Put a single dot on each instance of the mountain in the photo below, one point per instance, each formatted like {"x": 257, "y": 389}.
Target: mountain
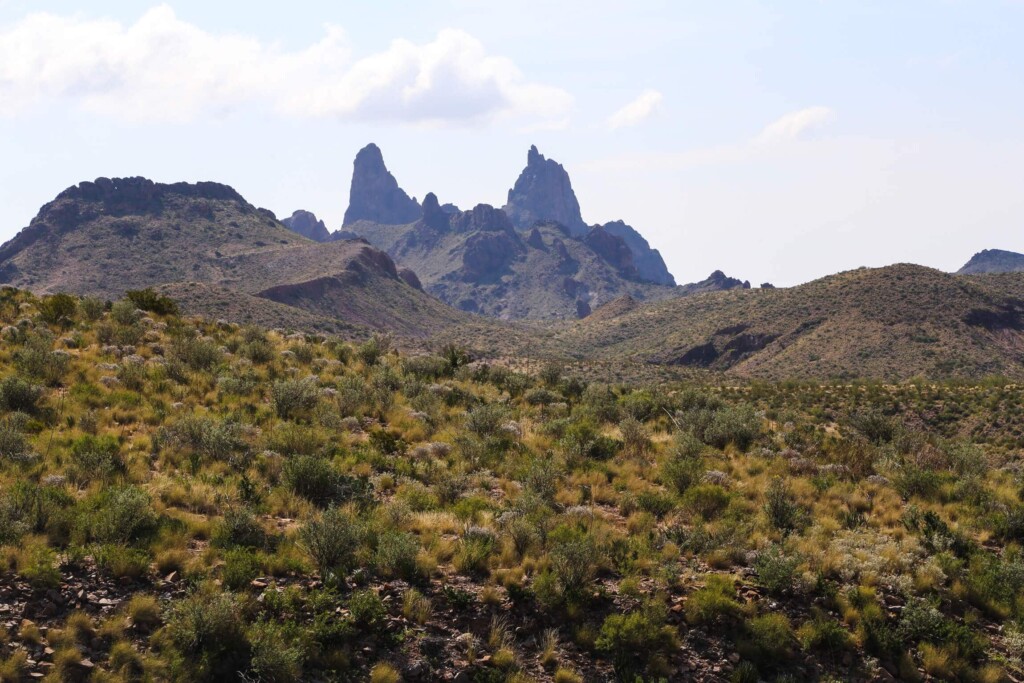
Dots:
{"x": 375, "y": 195}
{"x": 478, "y": 261}
{"x": 306, "y": 224}
{"x": 890, "y": 323}
{"x": 104, "y": 237}
{"x": 543, "y": 192}
{"x": 993, "y": 261}
{"x": 649, "y": 264}
{"x": 485, "y": 261}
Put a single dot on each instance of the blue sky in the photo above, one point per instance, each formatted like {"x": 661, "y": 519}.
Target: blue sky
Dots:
{"x": 776, "y": 141}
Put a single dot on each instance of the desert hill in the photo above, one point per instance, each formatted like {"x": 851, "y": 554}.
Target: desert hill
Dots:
{"x": 890, "y": 323}
{"x": 109, "y": 236}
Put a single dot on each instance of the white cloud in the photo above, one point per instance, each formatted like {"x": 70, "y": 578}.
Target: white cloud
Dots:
{"x": 164, "y": 69}
{"x": 636, "y": 111}
{"x": 793, "y": 124}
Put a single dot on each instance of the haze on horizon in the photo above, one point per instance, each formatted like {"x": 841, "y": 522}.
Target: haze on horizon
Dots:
{"x": 775, "y": 144}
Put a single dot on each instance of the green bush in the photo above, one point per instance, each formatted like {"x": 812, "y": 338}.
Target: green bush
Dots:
{"x": 58, "y": 309}
{"x": 823, "y": 633}
{"x": 293, "y": 398}
{"x": 706, "y": 500}
{"x": 574, "y": 560}
{"x": 95, "y": 458}
{"x": 775, "y": 571}
{"x": 331, "y": 540}
{"x": 770, "y": 639}
{"x": 276, "y": 658}
{"x": 715, "y": 603}
{"x": 396, "y": 555}
{"x": 316, "y": 480}
{"x": 121, "y": 562}
{"x": 121, "y": 515}
{"x": 196, "y": 353}
{"x": 782, "y": 509}
{"x": 150, "y": 300}
{"x": 207, "y": 630}
{"x": 19, "y": 395}
{"x": 241, "y": 566}
{"x": 367, "y": 609}
{"x": 633, "y": 640}
{"x": 240, "y": 528}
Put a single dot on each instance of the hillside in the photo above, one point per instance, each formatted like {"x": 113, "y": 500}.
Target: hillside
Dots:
{"x": 106, "y": 237}
{"x": 891, "y": 323}
{"x": 190, "y": 500}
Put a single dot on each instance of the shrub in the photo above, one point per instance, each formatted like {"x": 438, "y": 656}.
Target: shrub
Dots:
{"x": 122, "y": 515}
{"x": 294, "y": 397}
{"x": 275, "y": 658}
{"x": 18, "y": 395}
{"x": 95, "y": 457}
{"x": 207, "y": 629}
{"x": 124, "y": 313}
{"x": 144, "y": 611}
{"x": 384, "y": 673}
{"x": 684, "y": 466}
{"x": 240, "y": 567}
{"x": 37, "y": 564}
{"x": 416, "y": 606}
{"x": 121, "y": 562}
{"x": 258, "y": 351}
{"x": 823, "y": 633}
{"x": 715, "y": 603}
{"x": 13, "y": 445}
{"x": 783, "y": 512}
{"x": 92, "y": 308}
{"x": 633, "y": 639}
{"x": 331, "y": 540}
{"x": 770, "y": 638}
{"x": 240, "y": 529}
{"x": 150, "y": 300}
{"x": 58, "y": 309}
{"x": 739, "y": 426}
{"x": 396, "y": 555}
{"x": 313, "y": 478}
{"x": 775, "y": 571}
{"x": 706, "y": 500}
{"x": 367, "y": 609}
{"x": 573, "y": 559}
{"x": 196, "y": 353}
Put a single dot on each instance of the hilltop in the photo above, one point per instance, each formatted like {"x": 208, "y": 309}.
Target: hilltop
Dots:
{"x": 889, "y": 323}
{"x": 993, "y": 261}
{"x": 105, "y": 237}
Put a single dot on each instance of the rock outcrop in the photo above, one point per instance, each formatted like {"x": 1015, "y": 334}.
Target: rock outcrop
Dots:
{"x": 613, "y": 250}
{"x": 543, "y": 192}
{"x": 650, "y": 267}
{"x": 306, "y": 224}
{"x": 375, "y": 195}
{"x": 993, "y": 261}
{"x": 716, "y": 282}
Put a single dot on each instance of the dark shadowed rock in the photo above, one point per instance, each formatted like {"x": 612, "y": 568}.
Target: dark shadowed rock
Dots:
{"x": 767, "y": 285}
{"x": 482, "y": 217}
{"x": 375, "y": 195}
{"x": 993, "y": 261}
{"x": 433, "y": 214}
{"x": 410, "y": 278}
{"x": 543, "y": 192}
{"x": 306, "y": 224}
{"x": 613, "y": 250}
{"x": 650, "y": 266}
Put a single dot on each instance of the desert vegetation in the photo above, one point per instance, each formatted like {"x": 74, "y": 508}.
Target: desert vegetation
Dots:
{"x": 188, "y": 499}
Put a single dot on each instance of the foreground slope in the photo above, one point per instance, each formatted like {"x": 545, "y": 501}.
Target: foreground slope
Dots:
{"x": 892, "y": 323}
{"x": 185, "y": 500}
{"x": 106, "y": 237}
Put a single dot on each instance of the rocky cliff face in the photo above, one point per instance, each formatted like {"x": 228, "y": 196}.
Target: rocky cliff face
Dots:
{"x": 993, "y": 261}
{"x": 375, "y": 195}
{"x": 543, "y": 192}
{"x": 716, "y": 282}
{"x": 306, "y": 224}
{"x": 650, "y": 266}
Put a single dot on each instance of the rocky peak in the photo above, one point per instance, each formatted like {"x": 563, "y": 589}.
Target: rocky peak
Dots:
{"x": 650, "y": 266}
{"x": 482, "y": 218}
{"x": 543, "y": 192}
{"x": 375, "y": 195}
{"x": 305, "y": 223}
{"x": 716, "y": 282}
{"x": 433, "y": 214}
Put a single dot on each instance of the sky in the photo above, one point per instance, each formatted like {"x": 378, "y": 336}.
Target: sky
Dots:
{"x": 776, "y": 141}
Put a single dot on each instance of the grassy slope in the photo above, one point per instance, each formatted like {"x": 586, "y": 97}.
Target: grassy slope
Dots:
{"x": 893, "y": 323}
